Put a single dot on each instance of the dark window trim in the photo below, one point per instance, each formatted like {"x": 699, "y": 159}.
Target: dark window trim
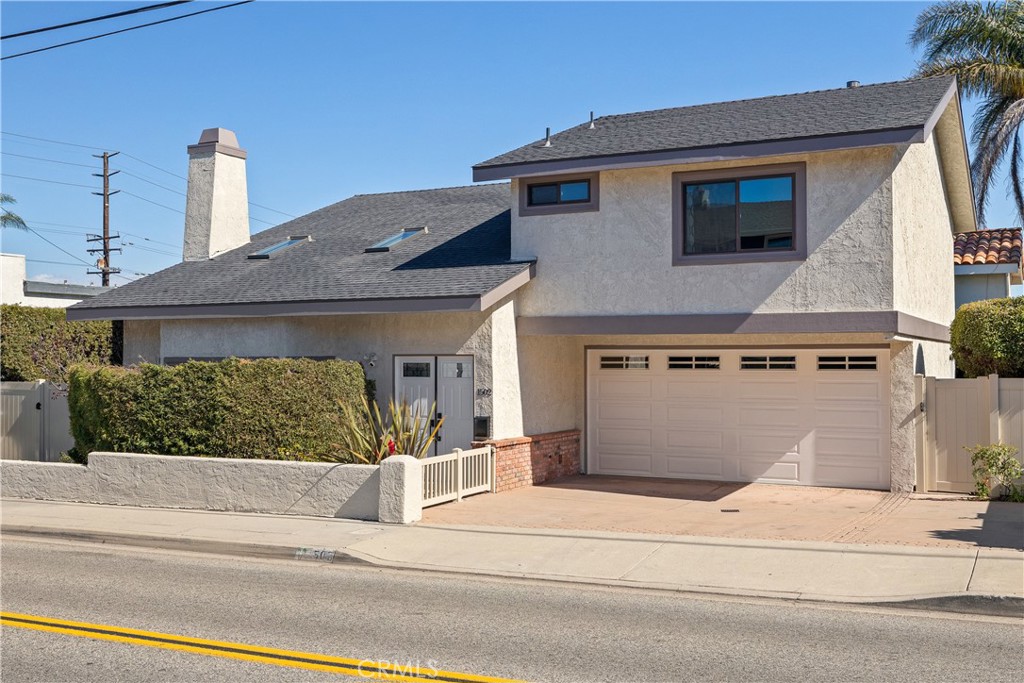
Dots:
{"x": 525, "y": 209}
{"x": 797, "y": 253}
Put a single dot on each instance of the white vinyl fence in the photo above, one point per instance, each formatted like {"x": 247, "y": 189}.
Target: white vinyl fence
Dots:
{"x": 457, "y": 475}
{"x": 34, "y": 421}
{"x": 961, "y": 413}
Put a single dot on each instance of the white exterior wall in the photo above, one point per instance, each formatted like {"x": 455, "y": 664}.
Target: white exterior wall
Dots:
{"x": 216, "y": 208}
{"x": 141, "y": 342}
{"x": 922, "y": 236}
{"x": 979, "y": 287}
{"x": 355, "y": 337}
{"x": 618, "y": 261}
{"x": 12, "y": 279}
{"x": 12, "y": 286}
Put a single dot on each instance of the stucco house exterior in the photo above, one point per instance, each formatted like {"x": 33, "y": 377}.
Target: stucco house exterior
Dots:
{"x": 735, "y": 291}
{"x": 986, "y": 264}
{"x": 16, "y": 288}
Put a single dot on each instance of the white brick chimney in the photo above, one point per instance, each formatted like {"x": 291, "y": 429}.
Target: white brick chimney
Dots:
{"x": 217, "y": 206}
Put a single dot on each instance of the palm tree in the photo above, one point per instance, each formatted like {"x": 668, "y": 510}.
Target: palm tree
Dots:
{"x": 982, "y": 44}
{"x": 7, "y": 218}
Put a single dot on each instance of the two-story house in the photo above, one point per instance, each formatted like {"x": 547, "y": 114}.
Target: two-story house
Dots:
{"x": 738, "y": 291}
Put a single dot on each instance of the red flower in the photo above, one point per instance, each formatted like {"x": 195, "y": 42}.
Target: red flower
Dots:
{"x": 391, "y": 447}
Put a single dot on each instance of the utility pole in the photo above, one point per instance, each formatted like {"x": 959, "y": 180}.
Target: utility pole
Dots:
{"x": 103, "y": 263}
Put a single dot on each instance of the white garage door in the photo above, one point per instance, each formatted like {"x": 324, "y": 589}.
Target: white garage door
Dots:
{"x": 802, "y": 416}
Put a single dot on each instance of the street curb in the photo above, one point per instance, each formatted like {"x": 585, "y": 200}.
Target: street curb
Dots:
{"x": 960, "y": 603}
{"x": 273, "y": 552}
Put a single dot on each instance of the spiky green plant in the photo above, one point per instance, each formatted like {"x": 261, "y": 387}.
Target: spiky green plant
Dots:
{"x": 982, "y": 44}
{"x": 370, "y": 436}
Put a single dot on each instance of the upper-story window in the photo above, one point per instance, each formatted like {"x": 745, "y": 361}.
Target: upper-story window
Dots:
{"x": 558, "y": 194}
{"x": 736, "y": 215}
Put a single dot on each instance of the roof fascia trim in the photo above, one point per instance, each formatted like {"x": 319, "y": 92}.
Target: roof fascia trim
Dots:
{"x": 507, "y": 287}
{"x": 277, "y": 309}
{"x": 986, "y": 269}
{"x": 35, "y": 287}
{"x": 896, "y": 136}
{"x": 888, "y": 322}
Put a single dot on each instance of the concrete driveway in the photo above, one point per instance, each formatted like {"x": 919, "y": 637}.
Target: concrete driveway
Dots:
{"x": 735, "y": 510}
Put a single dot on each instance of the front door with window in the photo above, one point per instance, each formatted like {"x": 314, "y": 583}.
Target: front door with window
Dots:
{"x": 448, "y": 380}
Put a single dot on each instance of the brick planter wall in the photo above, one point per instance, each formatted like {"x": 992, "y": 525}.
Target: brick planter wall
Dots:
{"x": 529, "y": 460}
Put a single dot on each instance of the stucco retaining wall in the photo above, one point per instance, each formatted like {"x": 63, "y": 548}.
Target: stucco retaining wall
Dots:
{"x": 268, "y": 486}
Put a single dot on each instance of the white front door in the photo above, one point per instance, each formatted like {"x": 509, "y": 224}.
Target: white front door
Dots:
{"x": 448, "y": 380}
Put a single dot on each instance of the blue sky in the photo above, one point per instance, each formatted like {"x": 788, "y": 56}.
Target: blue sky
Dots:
{"x": 332, "y": 99}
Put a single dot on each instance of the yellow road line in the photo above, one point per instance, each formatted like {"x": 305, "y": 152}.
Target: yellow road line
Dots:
{"x": 361, "y": 668}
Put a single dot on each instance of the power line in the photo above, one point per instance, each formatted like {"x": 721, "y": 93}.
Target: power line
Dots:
{"x": 125, "y": 13}
{"x": 59, "y": 248}
{"x": 52, "y": 161}
{"x": 125, "y": 30}
{"x": 162, "y": 187}
{"x": 53, "y": 263}
{"x": 163, "y": 206}
{"x": 143, "y": 161}
{"x": 150, "y": 239}
{"x": 44, "y": 180}
{"x": 56, "y": 142}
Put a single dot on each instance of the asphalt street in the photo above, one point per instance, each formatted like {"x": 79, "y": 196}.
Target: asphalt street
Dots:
{"x": 485, "y": 627}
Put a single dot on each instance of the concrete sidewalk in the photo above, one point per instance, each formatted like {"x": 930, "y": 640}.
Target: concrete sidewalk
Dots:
{"x": 839, "y": 572}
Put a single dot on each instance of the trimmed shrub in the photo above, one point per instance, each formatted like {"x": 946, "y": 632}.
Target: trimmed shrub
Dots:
{"x": 40, "y": 343}
{"x": 987, "y": 337}
{"x": 269, "y": 408}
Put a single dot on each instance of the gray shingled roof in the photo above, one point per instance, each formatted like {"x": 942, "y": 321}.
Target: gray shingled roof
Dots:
{"x": 869, "y": 108}
{"x": 464, "y": 254}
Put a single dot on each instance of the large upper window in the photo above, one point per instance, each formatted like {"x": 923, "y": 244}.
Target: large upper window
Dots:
{"x": 740, "y": 215}
{"x": 558, "y": 194}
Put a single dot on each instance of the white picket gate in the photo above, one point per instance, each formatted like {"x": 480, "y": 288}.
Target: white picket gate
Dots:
{"x": 457, "y": 475}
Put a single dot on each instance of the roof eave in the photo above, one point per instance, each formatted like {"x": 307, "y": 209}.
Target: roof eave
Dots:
{"x": 454, "y": 304}
{"x": 828, "y": 143}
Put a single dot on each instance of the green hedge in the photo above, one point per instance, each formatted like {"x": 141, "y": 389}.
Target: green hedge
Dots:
{"x": 987, "y": 337}
{"x": 39, "y": 343}
{"x": 277, "y": 409}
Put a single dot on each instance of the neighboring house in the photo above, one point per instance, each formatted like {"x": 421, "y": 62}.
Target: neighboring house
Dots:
{"x": 986, "y": 264}
{"x": 16, "y": 288}
{"x": 735, "y": 291}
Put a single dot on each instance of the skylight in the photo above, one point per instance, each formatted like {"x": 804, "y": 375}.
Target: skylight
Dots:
{"x": 290, "y": 242}
{"x": 385, "y": 245}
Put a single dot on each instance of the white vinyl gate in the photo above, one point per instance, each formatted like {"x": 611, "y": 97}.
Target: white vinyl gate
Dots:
{"x": 34, "y": 421}
{"x": 796, "y": 416}
{"x": 961, "y": 413}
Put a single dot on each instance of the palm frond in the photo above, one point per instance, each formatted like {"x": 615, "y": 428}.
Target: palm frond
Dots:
{"x": 965, "y": 30}
{"x": 979, "y": 76}
{"x": 993, "y": 142}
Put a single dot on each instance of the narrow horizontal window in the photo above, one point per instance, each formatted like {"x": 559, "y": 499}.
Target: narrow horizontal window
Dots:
{"x": 568, "y": 192}
{"x": 847, "y": 362}
{"x": 694, "y": 362}
{"x": 386, "y": 244}
{"x": 274, "y": 248}
{"x": 625, "y": 362}
{"x": 768, "y": 362}
{"x": 558, "y": 194}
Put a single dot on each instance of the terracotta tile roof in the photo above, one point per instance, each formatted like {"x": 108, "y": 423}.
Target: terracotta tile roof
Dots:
{"x": 987, "y": 247}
